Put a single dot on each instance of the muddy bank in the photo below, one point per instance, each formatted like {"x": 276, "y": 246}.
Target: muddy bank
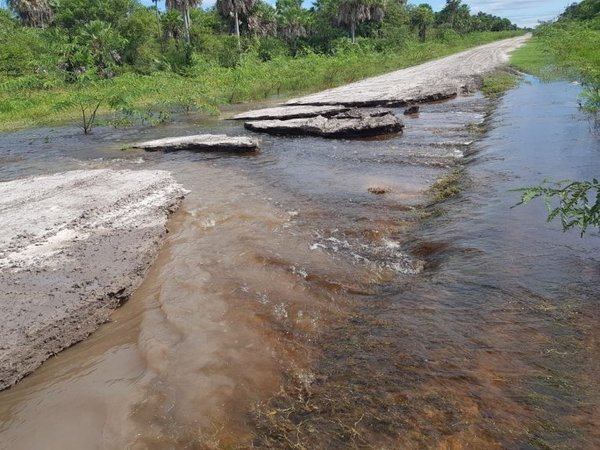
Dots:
{"x": 73, "y": 246}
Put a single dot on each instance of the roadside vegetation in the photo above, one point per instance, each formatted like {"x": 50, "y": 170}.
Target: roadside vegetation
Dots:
{"x": 62, "y": 59}
{"x": 568, "y": 48}
{"x": 497, "y": 83}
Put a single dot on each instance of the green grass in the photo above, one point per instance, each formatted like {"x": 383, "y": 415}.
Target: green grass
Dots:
{"x": 563, "y": 50}
{"x": 497, "y": 83}
{"x": 209, "y": 86}
{"x": 534, "y": 58}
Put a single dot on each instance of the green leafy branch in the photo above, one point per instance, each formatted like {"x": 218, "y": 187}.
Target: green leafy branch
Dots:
{"x": 88, "y": 105}
{"x": 90, "y": 97}
{"x": 574, "y": 208}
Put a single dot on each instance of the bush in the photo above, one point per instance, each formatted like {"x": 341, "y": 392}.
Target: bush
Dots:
{"x": 23, "y": 50}
{"x": 446, "y": 35}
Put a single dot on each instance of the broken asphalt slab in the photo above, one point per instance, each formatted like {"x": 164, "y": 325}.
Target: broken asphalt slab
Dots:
{"x": 73, "y": 246}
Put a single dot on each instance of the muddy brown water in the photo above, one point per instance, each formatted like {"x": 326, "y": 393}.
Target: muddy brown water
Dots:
{"x": 291, "y": 308}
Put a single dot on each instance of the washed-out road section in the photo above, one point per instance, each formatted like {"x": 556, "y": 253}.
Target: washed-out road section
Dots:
{"x": 73, "y": 246}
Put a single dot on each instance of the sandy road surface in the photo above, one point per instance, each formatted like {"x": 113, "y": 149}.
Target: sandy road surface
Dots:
{"x": 434, "y": 80}
{"x": 73, "y": 246}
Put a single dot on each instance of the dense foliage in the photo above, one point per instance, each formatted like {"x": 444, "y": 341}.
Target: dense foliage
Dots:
{"x": 66, "y": 40}
{"x": 586, "y": 10}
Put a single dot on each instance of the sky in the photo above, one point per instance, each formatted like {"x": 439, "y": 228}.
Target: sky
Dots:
{"x": 522, "y": 12}
{"x": 525, "y": 13}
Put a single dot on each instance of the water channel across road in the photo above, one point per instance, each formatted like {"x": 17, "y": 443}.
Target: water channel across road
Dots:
{"x": 292, "y": 308}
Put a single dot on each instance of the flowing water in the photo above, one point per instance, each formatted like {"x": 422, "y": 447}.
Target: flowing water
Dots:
{"x": 292, "y": 308}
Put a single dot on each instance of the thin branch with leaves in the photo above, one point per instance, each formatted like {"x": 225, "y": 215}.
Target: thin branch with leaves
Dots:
{"x": 578, "y": 202}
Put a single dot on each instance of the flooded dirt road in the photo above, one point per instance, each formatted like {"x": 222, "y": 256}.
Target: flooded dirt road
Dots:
{"x": 438, "y": 79}
{"x": 291, "y": 308}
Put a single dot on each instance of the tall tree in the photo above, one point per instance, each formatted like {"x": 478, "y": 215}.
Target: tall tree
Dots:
{"x": 450, "y": 10}
{"x": 155, "y": 2}
{"x": 233, "y": 9}
{"x": 354, "y": 12}
{"x": 33, "y": 13}
{"x": 463, "y": 22}
{"x": 421, "y": 18}
{"x": 184, "y": 6}
{"x": 262, "y": 20}
{"x": 292, "y": 21}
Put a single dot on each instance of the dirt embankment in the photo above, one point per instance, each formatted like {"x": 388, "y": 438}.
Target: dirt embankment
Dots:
{"x": 73, "y": 246}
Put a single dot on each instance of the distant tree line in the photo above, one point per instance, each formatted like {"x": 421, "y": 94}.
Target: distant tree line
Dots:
{"x": 107, "y": 37}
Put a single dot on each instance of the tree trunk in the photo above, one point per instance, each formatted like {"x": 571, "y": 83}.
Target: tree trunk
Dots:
{"x": 423, "y": 33}
{"x": 157, "y": 18}
{"x": 237, "y": 28}
{"x": 186, "y": 23}
{"x": 353, "y": 31}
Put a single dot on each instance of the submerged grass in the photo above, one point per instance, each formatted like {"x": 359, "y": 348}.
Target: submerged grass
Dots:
{"x": 497, "y": 83}
{"x": 208, "y": 86}
{"x": 359, "y": 397}
{"x": 448, "y": 186}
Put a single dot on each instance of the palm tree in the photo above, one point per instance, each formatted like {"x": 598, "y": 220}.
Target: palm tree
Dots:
{"x": 183, "y": 6}
{"x": 155, "y": 2}
{"x": 354, "y": 12}
{"x": 422, "y": 18}
{"x": 292, "y": 29}
{"x": 452, "y": 7}
{"x": 33, "y": 13}
{"x": 233, "y": 9}
{"x": 292, "y": 21}
{"x": 172, "y": 25}
{"x": 261, "y": 20}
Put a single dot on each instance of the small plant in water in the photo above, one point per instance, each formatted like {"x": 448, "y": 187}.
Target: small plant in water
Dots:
{"x": 88, "y": 102}
{"x": 590, "y": 99}
{"x": 379, "y": 190}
